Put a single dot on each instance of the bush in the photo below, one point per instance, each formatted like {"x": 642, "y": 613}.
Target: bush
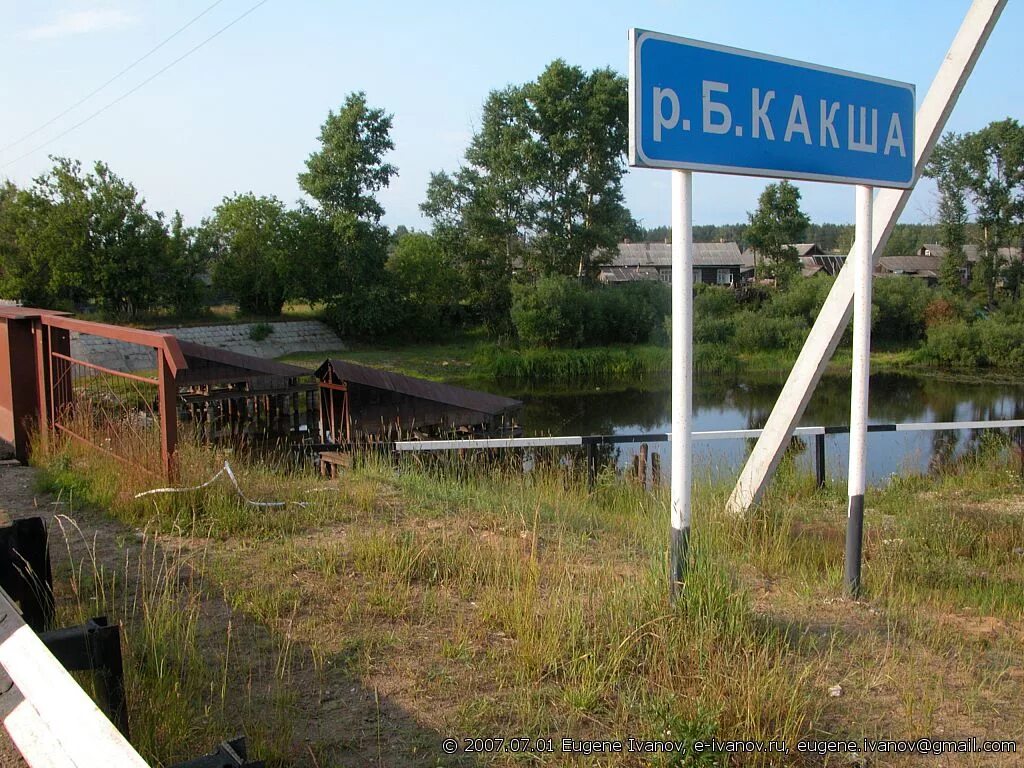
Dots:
{"x": 627, "y": 314}
{"x": 939, "y": 311}
{"x": 549, "y": 313}
{"x": 899, "y": 309}
{"x": 374, "y": 312}
{"x": 713, "y": 310}
{"x": 260, "y": 331}
{"x": 429, "y": 286}
{"x": 953, "y": 344}
{"x": 802, "y": 299}
{"x": 1002, "y": 343}
{"x": 560, "y": 312}
{"x": 756, "y": 332}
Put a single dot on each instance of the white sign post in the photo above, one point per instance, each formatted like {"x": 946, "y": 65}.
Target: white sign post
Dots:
{"x": 860, "y": 375}
{"x": 697, "y": 106}
{"x": 682, "y": 374}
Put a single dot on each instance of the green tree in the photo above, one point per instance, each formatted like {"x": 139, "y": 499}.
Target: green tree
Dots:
{"x": 985, "y": 171}
{"x": 777, "y": 222}
{"x": 348, "y": 170}
{"x": 188, "y": 257}
{"x": 25, "y": 254}
{"x": 474, "y": 224}
{"x": 254, "y": 250}
{"x": 946, "y": 166}
{"x": 542, "y": 183}
{"x": 576, "y": 158}
{"x": 343, "y": 177}
{"x": 994, "y": 160}
{"x": 75, "y": 237}
{"x": 428, "y": 284}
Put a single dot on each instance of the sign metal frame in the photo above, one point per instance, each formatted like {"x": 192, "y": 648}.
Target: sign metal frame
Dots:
{"x": 637, "y": 157}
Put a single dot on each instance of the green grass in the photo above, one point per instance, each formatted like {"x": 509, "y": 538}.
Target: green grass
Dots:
{"x": 485, "y": 601}
{"x": 472, "y": 359}
{"x": 219, "y": 314}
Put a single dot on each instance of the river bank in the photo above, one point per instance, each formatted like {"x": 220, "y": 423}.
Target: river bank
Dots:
{"x": 473, "y": 358}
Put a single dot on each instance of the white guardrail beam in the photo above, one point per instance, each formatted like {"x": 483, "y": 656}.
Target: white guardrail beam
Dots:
{"x": 413, "y": 446}
{"x": 51, "y": 720}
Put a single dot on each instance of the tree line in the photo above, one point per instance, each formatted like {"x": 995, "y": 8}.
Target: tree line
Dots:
{"x": 905, "y": 240}
{"x": 533, "y": 211}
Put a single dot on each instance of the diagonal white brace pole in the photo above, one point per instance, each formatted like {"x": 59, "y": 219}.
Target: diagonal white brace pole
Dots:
{"x": 889, "y": 204}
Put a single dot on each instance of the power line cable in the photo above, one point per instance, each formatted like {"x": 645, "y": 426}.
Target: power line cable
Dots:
{"x": 128, "y": 93}
{"x": 131, "y": 66}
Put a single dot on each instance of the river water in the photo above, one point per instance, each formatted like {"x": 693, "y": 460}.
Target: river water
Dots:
{"x": 744, "y": 402}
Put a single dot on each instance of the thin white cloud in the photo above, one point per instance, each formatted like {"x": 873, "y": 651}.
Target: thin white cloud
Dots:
{"x": 70, "y": 23}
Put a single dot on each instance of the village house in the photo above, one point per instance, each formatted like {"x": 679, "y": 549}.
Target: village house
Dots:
{"x": 926, "y": 264}
{"x": 713, "y": 263}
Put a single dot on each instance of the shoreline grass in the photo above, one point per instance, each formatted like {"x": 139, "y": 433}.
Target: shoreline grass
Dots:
{"x": 471, "y": 359}
{"x": 481, "y": 600}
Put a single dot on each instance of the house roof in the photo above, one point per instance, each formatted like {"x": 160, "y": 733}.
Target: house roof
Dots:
{"x": 972, "y": 251}
{"x": 803, "y": 250}
{"x": 459, "y": 397}
{"x": 809, "y": 267}
{"x": 939, "y": 251}
{"x": 926, "y": 266}
{"x": 660, "y": 255}
{"x": 212, "y": 365}
{"x": 806, "y": 249}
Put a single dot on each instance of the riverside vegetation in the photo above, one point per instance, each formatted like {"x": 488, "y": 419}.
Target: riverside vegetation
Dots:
{"x": 405, "y": 603}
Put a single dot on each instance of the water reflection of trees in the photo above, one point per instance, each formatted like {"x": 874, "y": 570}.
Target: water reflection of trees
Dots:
{"x": 894, "y": 398}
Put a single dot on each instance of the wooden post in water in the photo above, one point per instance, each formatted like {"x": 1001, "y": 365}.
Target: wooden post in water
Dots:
{"x": 819, "y": 460}
{"x": 641, "y": 469}
{"x": 655, "y": 469}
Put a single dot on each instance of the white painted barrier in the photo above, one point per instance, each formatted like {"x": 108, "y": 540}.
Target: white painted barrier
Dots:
{"x": 50, "y": 719}
{"x": 412, "y": 446}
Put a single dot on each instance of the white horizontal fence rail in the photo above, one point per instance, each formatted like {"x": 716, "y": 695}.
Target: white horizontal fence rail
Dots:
{"x": 51, "y": 720}
{"x": 413, "y": 446}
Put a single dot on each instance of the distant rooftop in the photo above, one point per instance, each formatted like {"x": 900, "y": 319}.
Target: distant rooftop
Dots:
{"x": 660, "y": 255}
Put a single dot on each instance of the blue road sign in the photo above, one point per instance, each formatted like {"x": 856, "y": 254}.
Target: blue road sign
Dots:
{"x": 705, "y": 107}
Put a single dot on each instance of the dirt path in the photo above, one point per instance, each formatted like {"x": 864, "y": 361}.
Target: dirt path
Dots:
{"x": 333, "y": 719}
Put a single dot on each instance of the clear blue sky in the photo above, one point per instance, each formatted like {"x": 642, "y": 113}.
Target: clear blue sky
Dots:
{"x": 243, "y": 112}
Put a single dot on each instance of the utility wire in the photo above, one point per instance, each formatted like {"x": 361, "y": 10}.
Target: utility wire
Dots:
{"x": 128, "y": 93}
{"x": 92, "y": 93}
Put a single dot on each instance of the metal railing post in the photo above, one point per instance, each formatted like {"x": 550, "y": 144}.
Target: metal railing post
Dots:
{"x": 168, "y": 397}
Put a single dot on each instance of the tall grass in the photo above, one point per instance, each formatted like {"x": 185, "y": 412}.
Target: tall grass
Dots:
{"x": 536, "y": 364}
{"x": 531, "y": 604}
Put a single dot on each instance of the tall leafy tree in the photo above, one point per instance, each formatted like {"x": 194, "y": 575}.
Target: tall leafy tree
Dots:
{"x": 189, "y": 250}
{"x": 343, "y": 177}
{"x": 543, "y": 174}
{"x": 348, "y": 170}
{"x": 77, "y": 237}
{"x": 428, "y": 283}
{"x": 25, "y": 254}
{"x": 982, "y": 172}
{"x": 254, "y": 252}
{"x": 994, "y": 160}
{"x": 473, "y": 226}
{"x": 777, "y": 222}
{"x": 946, "y": 166}
{"x": 576, "y": 155}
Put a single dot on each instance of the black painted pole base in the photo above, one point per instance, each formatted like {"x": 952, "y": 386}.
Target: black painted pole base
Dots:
{"x": 854, "y": 541}
{"x": 678, "y": 553}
